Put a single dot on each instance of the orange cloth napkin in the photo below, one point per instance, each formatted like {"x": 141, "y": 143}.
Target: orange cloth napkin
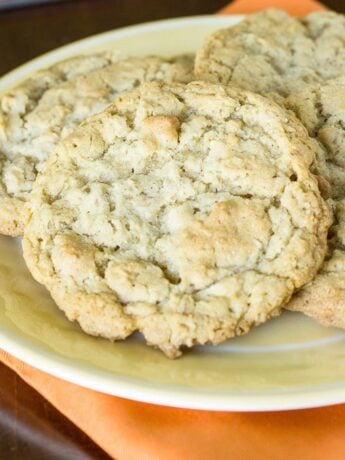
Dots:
{"x": 294, "y": 7}
{"x": 129, "y": 430}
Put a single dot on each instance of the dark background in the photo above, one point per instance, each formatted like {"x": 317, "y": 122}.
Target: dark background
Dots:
{"x": 29, "y": 32}
{"x": 30, "y": 428}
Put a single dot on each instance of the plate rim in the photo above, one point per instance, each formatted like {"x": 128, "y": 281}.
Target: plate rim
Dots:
{"x": 135, "y": 388}
{"x": 97, "y": 40}
{"x": 184, "y": 398}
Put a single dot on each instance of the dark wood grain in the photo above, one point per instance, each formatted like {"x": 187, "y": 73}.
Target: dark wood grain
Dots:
{"x": 30, "y": 428}
{"x": 29, "y": 32}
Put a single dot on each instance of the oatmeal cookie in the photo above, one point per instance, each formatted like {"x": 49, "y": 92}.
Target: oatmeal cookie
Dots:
{"x": 186, "y": 212}
{"x": 322, "y": 110}
{"x": 274, "y": 54}
{"x": 35, "y": 115}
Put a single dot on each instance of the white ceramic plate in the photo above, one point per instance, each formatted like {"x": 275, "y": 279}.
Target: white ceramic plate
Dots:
{"x": 290, "y": 362}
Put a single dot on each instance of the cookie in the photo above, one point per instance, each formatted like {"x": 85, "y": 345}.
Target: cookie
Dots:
{"x": 185, "y": 212}
{"x": 322, "y": 110}
{"x": 274, "y": 54}
{"x": 45, "y": 108}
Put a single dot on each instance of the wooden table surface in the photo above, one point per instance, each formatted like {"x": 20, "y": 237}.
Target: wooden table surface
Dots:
{"x": 30, "y": 428}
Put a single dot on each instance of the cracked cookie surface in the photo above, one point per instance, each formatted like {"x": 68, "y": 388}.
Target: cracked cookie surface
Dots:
{"x": 187, "y": 212}
{"x": 274, "y": 54}
{"x": 35, "y": 115}
{"x": 322, "y": 110}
